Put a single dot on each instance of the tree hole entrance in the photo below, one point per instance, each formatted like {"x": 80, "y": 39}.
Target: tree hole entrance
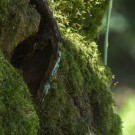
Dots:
{"x": 36, "y": 56}
{"x": 32, "y": 62}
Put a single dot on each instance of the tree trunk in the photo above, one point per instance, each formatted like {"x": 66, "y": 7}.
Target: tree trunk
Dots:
{"x": 36, "y": 56}
{"x": 79, "y": 100}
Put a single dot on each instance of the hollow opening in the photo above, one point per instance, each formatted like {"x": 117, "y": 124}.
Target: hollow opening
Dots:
{"x": 32, "y": 62}
{"x": 36, "y": 56}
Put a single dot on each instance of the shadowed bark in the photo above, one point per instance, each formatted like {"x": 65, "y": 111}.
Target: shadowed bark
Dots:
{"x": 36, "y": 56}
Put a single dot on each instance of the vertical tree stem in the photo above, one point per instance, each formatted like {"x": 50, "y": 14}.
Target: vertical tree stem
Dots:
{"x": 107, "y": 32}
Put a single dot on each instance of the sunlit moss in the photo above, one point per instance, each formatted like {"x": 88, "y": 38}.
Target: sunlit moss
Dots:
{"x": 81, "y": 101}
{"x": 83, "y": 16}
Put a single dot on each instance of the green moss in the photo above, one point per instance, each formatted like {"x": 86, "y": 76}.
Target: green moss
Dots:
{"x": 18, "y": 20}
{"x": 17, "y": 114}
{"x": 81, "y": 16}
{"x": 9, "y": 15}
{"x": 83, "y": 74}
{"x": 80, "y": 100}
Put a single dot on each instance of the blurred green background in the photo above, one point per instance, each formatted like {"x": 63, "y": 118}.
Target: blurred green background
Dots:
{"x": 121, "y": 60}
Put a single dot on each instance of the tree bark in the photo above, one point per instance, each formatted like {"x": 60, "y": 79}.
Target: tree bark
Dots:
{"x": 79, "y": 101}
{"x": 37, "y": 55}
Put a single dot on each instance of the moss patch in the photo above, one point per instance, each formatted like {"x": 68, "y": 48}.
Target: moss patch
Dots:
{"x": 81, "y": 100}
{"x": 18, "y": 20}
{"x": 81, "y": 16}
{"x": 17, "y": 114}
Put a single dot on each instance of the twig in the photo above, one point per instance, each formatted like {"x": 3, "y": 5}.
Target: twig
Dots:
{"x": 107, "y": 32}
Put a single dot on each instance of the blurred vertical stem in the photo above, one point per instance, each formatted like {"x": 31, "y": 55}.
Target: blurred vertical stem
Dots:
{"x": 107, "y": 32}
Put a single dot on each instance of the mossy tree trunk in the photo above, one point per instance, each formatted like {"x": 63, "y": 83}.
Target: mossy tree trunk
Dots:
{"x": 36, "y": 56}
{"x": 79, "y": 101}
